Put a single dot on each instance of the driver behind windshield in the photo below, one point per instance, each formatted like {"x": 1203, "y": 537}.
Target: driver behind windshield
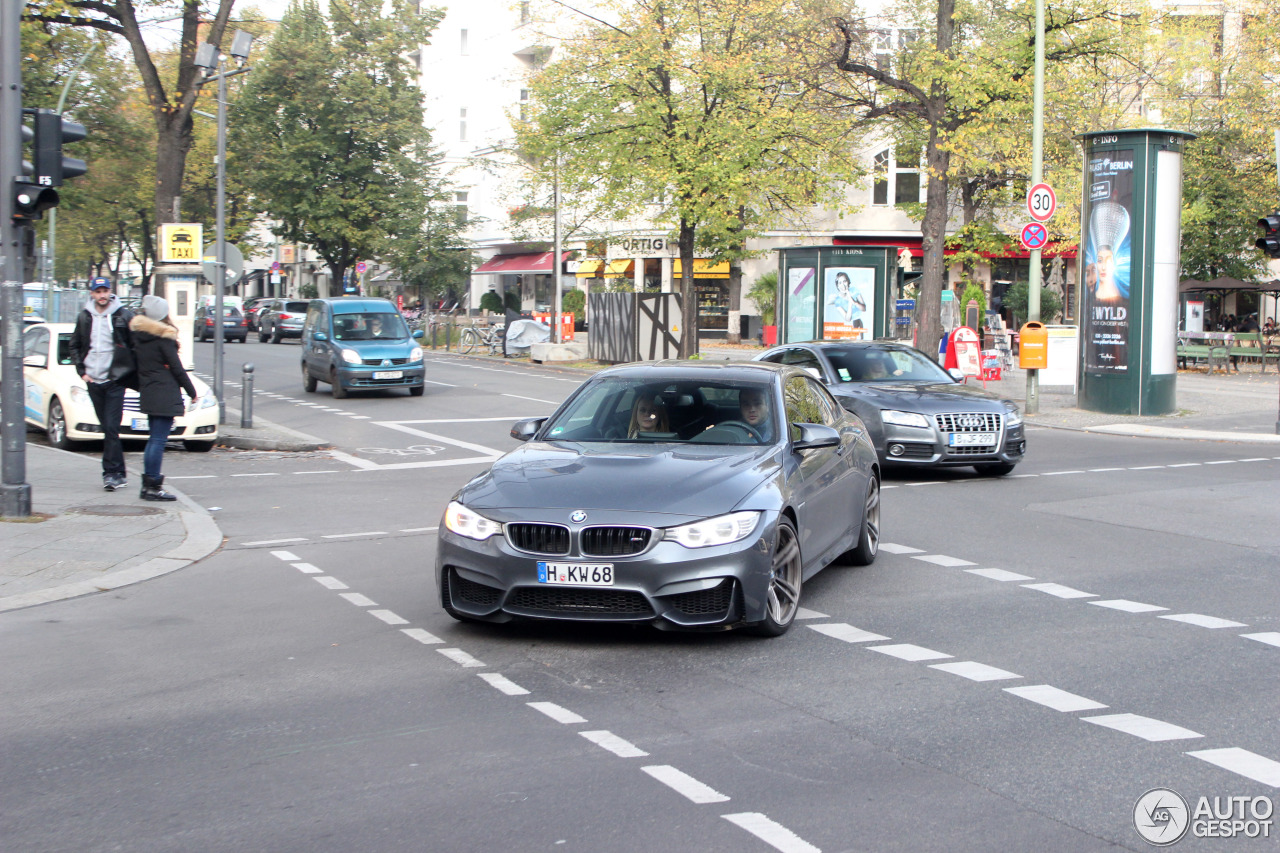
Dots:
{"x": 753, "y": 403}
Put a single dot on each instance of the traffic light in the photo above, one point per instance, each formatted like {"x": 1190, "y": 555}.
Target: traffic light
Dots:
{"x": 1269, "y": 242}
{"x": 51, "y": 131}
{"x": 31, "y": 201}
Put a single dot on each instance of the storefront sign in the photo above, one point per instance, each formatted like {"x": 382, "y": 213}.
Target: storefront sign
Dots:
{"x": 641, "y": 247}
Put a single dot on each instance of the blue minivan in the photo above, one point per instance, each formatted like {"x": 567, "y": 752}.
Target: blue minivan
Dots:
{"x": 358, "y": 343}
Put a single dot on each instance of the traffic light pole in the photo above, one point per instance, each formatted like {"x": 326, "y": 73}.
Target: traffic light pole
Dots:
{"x": 15, "y": 493}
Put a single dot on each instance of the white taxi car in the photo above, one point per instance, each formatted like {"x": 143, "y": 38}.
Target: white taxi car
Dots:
{"x": 57, "y": 401}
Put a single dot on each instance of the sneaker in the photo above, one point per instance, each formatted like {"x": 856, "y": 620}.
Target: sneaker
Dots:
{"x": 111, "y": 482}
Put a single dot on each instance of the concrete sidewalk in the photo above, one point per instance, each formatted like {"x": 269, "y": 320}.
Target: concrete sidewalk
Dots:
{"x": 85, "y": 540}
{"x": 82, "y": 539}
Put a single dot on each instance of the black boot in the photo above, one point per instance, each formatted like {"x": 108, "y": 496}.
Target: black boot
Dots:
{"x": 152, "y": 491}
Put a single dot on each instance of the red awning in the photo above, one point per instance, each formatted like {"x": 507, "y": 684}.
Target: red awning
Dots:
{"x": 509, "y": 264}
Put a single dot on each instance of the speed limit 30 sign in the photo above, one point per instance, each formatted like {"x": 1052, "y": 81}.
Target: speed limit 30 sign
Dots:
{"x": 1041, "y": 202}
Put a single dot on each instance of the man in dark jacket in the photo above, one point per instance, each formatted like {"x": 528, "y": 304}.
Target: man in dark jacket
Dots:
{"x": 102, "y": 350}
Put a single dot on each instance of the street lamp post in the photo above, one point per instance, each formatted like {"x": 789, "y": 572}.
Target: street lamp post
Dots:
{"x": 212, "y": 61}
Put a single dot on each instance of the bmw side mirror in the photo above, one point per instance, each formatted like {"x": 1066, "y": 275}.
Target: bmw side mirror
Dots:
{"x": 320, "y": 336}
{"x": 813, "y": 436}
{"x": 417, "y": 334}
{"x": 527, "y": 428}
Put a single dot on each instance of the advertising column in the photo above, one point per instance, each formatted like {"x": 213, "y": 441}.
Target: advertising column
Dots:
{"x": 1130, "y": 231}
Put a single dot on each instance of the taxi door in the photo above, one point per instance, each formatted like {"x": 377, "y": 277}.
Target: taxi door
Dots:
{"x": 36, "y": 376}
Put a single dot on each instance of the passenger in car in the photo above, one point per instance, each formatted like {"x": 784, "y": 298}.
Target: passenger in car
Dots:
{"x": 648, "y": 414}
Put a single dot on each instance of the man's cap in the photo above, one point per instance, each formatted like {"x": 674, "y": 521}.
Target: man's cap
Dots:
{"x": 101, "y": 285}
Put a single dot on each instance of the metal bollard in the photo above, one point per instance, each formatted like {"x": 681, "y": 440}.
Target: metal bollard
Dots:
{"x": 432, "y": 324}
{"x": 246, "y": 404}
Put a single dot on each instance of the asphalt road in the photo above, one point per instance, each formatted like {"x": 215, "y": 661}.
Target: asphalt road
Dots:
{"x": 1027, "y": 657}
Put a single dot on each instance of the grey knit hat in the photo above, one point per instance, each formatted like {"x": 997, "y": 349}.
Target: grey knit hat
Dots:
{"x": 155, "y": 307}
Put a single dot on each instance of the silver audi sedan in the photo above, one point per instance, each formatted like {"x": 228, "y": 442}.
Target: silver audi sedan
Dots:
{"x": 684, "y": 495}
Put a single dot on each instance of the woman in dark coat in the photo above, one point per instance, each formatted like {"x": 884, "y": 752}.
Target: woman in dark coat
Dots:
{"x": 161, "y": 381}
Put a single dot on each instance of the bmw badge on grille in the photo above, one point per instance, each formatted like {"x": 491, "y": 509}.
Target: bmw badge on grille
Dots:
{"x": 577, "y": 516}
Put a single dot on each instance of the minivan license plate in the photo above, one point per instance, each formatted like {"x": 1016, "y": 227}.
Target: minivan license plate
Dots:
{"x": 576, "y": 574}
{"x": 389, "y": 374}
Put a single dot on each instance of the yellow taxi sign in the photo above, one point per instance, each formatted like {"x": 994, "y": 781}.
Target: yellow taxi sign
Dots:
{"x": 181, "y": 243}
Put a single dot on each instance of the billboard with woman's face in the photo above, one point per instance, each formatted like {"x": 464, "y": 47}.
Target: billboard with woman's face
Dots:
{"x": 848, "y": 302}
{"x": 1108, "y": 257}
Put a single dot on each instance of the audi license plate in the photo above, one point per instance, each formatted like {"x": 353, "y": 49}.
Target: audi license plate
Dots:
{"x": 972, "y": 439}
{"x": 576, "y": 574}
{"x": 389, "y": 374}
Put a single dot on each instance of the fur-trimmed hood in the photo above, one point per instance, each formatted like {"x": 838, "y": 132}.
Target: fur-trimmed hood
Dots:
{"x": 143, "y": 323}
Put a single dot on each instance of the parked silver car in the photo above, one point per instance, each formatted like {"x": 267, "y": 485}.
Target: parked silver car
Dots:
{"x": 918, "y": 414}
{"x": 280, "y": 319}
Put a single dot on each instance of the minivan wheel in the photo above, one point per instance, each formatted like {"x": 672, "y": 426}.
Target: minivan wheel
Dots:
{"x": 308, "y": 381}
{"x": 417, "y": 390}
{"x": 338, "y": 391}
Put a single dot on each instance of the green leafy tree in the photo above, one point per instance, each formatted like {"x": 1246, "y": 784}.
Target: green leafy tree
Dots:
{"x": 573, "y": 302}
{"x": 171, "y": 79}
{"x": 694, "y": 115}
{"x": 330, "y": 130}
{"x": 961, "y": 73}
{"x": 1015, "y": 299}
{"x": 764, "y": 293}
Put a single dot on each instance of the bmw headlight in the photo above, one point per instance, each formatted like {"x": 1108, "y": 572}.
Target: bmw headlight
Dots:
{"x": 350, "y": 356}
{"x": 80, "y": 395}
{"x": 1012, "y": 417}
{"x": 462, "y": 521}
{"x": 415, "y": 354}
{"x": 720, "y": 530}
{"x": 911, "y": 419}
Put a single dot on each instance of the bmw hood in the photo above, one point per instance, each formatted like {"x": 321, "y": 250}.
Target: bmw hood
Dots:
{"x": 687, "y": 480}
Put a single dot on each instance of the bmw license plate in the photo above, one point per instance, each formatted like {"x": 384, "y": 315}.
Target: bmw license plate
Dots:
{"x": 972, "y": 439}
{"x": 576, "y": 574}
{"x": 388, "y": 374}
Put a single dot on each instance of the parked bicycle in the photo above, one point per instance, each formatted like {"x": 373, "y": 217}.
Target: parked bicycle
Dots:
{"x": 474, "y": 338}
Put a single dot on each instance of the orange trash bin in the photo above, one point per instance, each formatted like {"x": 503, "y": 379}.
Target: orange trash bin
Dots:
{"x": 1033, "y": 352}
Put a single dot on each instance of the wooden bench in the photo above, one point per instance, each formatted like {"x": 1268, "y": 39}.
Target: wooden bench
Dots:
{"x": 1211, "y": 348}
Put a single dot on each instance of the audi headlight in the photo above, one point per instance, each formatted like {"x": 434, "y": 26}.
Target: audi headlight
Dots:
{"x": 720, "y": 530}
{"x": 415, "y": 354}
{"x": 80, "y": 395}
{"x": 1012, "y": 417}
{"x": 350, "y": 356}
{"x": 462, "y": 521}
{"x": 911, "y": 419}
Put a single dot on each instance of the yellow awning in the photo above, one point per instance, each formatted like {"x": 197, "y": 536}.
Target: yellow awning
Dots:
{"x": 702, "y": 268}
{"x": 620, "y": 268}
{"x": 590, "y": 268}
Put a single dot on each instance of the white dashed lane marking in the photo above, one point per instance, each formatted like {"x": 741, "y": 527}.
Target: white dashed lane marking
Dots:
{"x": 1058, "y": 590}
{"x": 275, "y": 541}
{"x": 1129, "y": 606}
{"x": 460, "y": 657}
{"x": 330, "y": 583}
{"x": 999, "y": 575}
{"x": 503, "y": 684}
{"x": 975, "y": 671}
{"x": 891, "y": 548}
{"x": 685, "y": 785}
{"x": 358, "y": 600}
{"x": 770, "y": 832}
{"x": 1052, "y": 697}
{"x": 425, "y": 637}
{"x": 848, "y": 633}
{"x": 346, "y": 535}
{"x": 287, "y": 556}
{"x": 1271, "y": 638}
{"x": 307, "y": 568}
{"x": 944, "y": 560}
{"x": 909, "y": 652}
{"x": 1245, "y": 763}
{"x": 1203, "y": 621}
{"x": 1143, "y": 727}
{"x": 389, "y": 617}
{"x": 619, "y": 747}
{"x": 557, "y": 713}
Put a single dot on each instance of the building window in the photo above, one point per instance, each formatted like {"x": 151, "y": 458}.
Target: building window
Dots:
{"x": 882, "y": 48}
{"x": 895, "y": 178}
{"x": 462, "y": 125}
{"x": 526, "y": 15}
{"x": 524, "y": 105}
{"x": 460, "y": 208}
{"x": 464, "y": 42}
